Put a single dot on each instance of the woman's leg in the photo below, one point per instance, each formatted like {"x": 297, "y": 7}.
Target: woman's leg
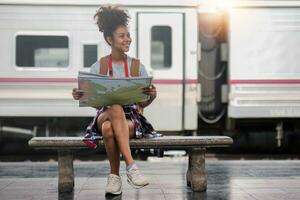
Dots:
{"x": 112, "y": 150}
{"x": 121, "y": 131}
{"x": 116, "y": 131}
{"x": 113, "y": 140}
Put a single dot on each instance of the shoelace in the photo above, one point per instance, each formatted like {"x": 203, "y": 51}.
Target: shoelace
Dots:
{"x": 113, "y": 180}
{"x": 136, "y": 173}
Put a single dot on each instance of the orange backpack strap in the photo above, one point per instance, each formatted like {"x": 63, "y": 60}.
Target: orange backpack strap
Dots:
{"x": 134, "y": 71}
{"x": 103, "y": 65}
{"x": 135, "y": 67}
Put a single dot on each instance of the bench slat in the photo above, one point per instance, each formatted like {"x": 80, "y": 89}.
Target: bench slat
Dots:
{"x": 165, "y": 142}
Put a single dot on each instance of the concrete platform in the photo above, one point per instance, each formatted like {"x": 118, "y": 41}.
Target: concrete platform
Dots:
{"x": 227, "y": 179}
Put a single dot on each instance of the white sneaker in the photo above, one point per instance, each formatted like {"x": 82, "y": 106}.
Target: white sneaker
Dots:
{"x": 135, "y": 178}
{"x": 114, "y": 184}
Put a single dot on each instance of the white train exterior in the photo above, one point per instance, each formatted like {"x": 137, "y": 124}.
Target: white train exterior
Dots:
{"x": 254, "y": 54}
{"x": 264, "y": 75}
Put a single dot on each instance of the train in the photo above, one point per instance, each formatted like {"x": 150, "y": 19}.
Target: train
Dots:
{"x": 220, "y": 67}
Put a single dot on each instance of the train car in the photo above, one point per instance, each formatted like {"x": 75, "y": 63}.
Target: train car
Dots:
{"x": 264, "y": 69}
{"x": 216, "y": 64}
{"x": 45, "y": 44}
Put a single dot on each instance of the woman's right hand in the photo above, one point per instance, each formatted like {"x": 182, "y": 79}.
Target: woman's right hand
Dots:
{"x": 77, "y": 94}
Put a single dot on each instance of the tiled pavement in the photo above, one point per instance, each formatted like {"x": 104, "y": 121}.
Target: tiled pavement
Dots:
{"x": 227, "y": 179}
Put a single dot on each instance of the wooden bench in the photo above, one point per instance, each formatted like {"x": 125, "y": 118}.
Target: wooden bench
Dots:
{"x": 196, "y": 146}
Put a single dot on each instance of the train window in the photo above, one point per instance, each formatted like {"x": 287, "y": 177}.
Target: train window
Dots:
{"x": 89, "y": 54}
{"x": 161, "y": 47}
{"x": 42, "y": 51}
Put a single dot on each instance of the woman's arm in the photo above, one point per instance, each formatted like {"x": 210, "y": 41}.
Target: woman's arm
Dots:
{"x": 76, "y": 93}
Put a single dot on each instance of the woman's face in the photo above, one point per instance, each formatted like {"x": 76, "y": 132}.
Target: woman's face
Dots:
{"x": 121, "y": 39}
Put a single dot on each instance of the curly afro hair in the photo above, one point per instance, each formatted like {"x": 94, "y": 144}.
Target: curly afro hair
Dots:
{"x": 108, "y": 18}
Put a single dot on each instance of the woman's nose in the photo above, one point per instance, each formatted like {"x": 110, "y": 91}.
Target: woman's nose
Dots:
{"x": 128, "y": 39}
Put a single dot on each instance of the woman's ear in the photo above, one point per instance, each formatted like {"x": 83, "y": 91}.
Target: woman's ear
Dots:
{"x": 109, "y": 40}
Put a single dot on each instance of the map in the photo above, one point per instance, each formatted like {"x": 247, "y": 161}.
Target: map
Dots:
{"x": 99, "y": 90}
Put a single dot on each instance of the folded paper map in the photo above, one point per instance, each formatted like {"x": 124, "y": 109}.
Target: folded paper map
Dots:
{"x": 99, "y": 90}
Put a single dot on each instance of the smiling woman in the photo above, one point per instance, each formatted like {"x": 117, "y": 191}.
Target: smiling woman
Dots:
{"x": 118, "y": 123}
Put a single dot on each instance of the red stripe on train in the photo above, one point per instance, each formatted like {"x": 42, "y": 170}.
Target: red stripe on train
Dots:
{"x": 155, "y": 81}
{"x": 265, "y": 81}
{"x": 74, "y": 80}
{"x": 174, "y": 81}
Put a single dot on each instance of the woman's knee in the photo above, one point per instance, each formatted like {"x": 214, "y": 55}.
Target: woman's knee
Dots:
{"x": 107, "y": 131}
{"x": 116, "y": 111}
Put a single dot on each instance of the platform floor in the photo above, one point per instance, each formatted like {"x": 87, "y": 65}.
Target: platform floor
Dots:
{"x": 227, "y": 179}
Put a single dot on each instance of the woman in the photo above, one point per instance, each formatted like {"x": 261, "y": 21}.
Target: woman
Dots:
{"x": 116, "y": 123}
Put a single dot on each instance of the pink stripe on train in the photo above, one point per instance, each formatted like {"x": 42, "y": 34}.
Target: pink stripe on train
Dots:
{"x": 265, "y": 81}
{"x": 74, "y": 80}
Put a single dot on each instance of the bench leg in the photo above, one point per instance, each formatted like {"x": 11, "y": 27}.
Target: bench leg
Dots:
{"x": 65, "y": 171}
{"x": 196, "y": 176}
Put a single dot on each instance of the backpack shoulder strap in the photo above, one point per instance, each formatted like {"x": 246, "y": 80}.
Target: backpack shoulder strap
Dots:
{"x": 103, "y": 63}
{"x": 134, "y": 71}
{"x": 135, "y": 67}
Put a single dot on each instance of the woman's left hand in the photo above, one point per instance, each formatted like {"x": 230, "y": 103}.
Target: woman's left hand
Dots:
{"x": 151, "y": 91}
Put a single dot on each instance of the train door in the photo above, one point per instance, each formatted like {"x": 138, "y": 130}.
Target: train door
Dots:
{"x": 160, "y": 48}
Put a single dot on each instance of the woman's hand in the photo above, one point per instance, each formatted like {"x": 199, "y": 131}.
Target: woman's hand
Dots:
{"x": 77, "y": 94}
{"x": 151, "y": 91}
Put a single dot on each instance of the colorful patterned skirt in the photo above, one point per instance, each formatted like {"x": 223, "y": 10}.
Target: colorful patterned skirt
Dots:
{"x": 142, "y": 128}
